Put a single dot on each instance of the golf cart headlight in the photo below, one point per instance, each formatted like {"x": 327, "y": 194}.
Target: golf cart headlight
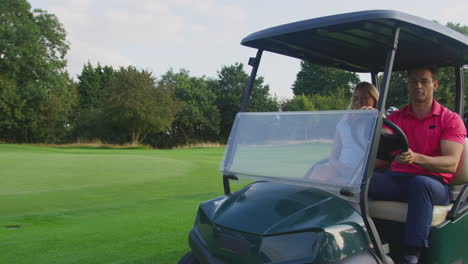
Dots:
{"x": 204, "y": 226}
{"x": 292, "y": 246}
{"x": 202, "y": 218}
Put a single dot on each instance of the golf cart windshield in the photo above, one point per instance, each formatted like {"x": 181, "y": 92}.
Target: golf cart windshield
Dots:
{"x": 325, "y": 149}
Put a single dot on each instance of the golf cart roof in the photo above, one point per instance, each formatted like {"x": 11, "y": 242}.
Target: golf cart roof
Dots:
{"x": 359, "y": 41}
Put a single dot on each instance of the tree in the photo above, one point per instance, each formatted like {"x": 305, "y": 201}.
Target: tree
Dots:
{"x": 337, "y": 100}
{"x": 136, "y": 105}
{"x": 92, "y": 82}
{"x": 32, "y": 50}
{"x": 458, "y": 27}
{"x": 298, "y": 103}
{"x": 198, "y": 119}
{"x": 58, "y": 111}
{"x": 229, "y": 89}
{"x": 89, "y": 116}
{"x": 397, "y": 93}
{"x": 445, "y": 94}
{"x": 11, "y": 105}
{"x": 316, "y": 79}
{"x": 449, "y": 72}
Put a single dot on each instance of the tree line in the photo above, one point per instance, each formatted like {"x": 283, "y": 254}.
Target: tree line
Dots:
{"x": 130, "y": 105}
{"x": 41, "y": 103}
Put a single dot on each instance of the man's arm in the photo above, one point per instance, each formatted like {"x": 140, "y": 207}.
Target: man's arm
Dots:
{"x": 446, "y": 163}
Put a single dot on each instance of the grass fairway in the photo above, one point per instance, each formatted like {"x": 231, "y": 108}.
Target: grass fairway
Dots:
{"x": 85, "y": 205}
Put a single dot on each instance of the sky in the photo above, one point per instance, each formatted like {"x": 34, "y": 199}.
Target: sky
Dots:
{"x": 203, "y": 35}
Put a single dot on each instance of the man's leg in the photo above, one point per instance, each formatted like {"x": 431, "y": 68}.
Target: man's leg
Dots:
{"x": 388, "y": 186}
{"x": 423, "y": 193}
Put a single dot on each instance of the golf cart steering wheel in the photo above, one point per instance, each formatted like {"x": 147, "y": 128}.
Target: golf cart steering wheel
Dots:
{"x": 391, "y": 142}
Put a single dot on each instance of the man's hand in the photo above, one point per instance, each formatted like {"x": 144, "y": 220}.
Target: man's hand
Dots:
{"x": 407, "y": 157}
{"x": 446, "y": 163}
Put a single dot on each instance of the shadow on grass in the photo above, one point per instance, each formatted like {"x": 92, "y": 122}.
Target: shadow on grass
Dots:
{"x": 168, "y": 258}
{"x": 98, "y": 147}
{"x": 101, "y": 147}
{"x": 199, "y": 196}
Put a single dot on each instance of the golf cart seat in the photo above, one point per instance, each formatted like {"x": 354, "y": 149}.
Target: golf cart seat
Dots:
{"x": 396, "y": 211}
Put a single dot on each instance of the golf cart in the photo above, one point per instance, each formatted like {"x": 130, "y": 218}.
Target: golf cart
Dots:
{"x": 299, "y": 208}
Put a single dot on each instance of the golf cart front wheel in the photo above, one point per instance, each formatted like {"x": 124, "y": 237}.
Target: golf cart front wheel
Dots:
{"x": 188, "y": 258}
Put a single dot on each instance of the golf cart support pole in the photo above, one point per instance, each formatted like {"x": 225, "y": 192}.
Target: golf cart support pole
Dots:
{"x": 375, "y": 79}
{"x": 254, "y": 62}
{"x": 459, "y": 81}
{"x": 372, "y": 230}
{"x": 227, "y": 187}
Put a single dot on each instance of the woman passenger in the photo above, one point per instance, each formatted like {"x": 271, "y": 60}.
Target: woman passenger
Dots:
{"x": 350, "y": 142}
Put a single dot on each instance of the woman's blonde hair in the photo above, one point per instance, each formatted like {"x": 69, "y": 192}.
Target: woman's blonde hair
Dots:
{"x": 373, "y": 92}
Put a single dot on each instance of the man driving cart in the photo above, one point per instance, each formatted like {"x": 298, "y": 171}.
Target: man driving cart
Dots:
{"x": 420, "y": 175}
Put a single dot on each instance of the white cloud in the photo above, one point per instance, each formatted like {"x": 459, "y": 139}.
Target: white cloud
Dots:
{"x": 73, "y": 5}
{"x": 95, "y": 54}
{"x": 182, "y": 3}
{"x": 456, "y": 13}
{"x": 110, "y": 33}
{"x": 199, "y": 28}
{"x": 204, "y": 6}
{"x": 145, "y": 28}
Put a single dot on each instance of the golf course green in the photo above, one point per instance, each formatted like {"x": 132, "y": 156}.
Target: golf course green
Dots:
{"x": 97, "y": 205}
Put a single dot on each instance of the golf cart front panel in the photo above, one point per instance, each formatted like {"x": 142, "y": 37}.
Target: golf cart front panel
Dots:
{"x": 268, "y": 222}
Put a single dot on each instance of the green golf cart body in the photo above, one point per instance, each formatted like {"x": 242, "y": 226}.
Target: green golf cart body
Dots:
{"x": 289, "y": 213}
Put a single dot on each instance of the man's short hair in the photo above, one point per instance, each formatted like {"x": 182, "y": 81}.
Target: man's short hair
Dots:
{"x": 432, "y": 69}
